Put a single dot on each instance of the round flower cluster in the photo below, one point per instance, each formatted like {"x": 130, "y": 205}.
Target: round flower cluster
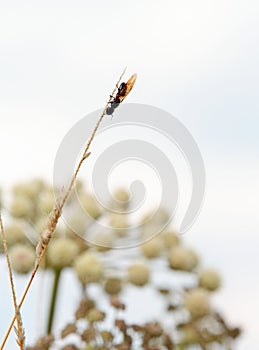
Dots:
{"x": 209, "y": 279}
{"x": 153, "y": 248}
{"x": 138, "y": 274}
{"x": 61, "y": 253}
{"x": 89, "y": 268}
{"x": 197, "y": 303}
{"x": 183, "y": 259}
{"x": 121, "y": 200}
{"x": 90, "y": 206}
{"x": 15, "y": 234}
{"x": 86, "y": 249}
{"x": 113, "y": 286}
{"x": 22, "y": 258}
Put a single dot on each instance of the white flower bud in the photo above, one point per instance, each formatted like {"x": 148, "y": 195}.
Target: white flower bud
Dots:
{"x": 30, "y": 189}
{"x": 138, "y": 274}
{"x": 153, "y": 248}
{"x": 22, "y": 207}
{"x": 76, "y": 224}
{"x": 61, "y": 253}
{"x": 89, "y": 268}
{"x": 41, "y": 223}
{"x": 103, "y": 240}
{"x": 183, "y": 259}
{"x": 197, "y": 302}
{"x": 119, "y": 223}
{"x": 121, "y": 199}
{"x": 90, "y": 205}
{"x": 170, "y": 238}
{"x": 209, "y": 279}
{"x": 46, "y": 201}
{"x": 15, "y": 234}
{"x": 22, "y": 258}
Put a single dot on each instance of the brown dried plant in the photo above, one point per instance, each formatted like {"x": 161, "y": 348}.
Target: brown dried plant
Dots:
{"x": 19, "y": 330}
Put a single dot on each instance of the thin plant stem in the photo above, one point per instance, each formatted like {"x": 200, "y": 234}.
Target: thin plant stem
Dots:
{"x": 56, "y": 212}
{"x": 19, "y": 330}
{"x": 57, "y": 274}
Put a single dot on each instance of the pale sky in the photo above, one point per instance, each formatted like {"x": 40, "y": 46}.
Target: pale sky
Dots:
{"x": 198, "y": 60}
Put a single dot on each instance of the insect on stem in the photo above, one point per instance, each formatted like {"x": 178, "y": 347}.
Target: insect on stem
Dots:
{"x": 122, "y": 92}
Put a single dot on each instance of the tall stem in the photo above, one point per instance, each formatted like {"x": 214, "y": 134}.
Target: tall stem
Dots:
{"x": 57, "y": 274}
{"x": 55, "y": 215}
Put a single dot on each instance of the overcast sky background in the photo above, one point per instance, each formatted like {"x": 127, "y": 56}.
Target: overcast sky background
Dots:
{"x": 197, "y": 60}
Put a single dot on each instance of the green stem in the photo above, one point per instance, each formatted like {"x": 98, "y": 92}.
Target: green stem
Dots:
{"x": 57, "y": 274}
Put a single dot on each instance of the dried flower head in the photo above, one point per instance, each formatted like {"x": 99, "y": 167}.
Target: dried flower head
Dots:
{"x": 118, "y": 222}
{"x": 122, "y": 195}
{"x": 138, "y": 274}
{"x": 183, "y": 259}
{"x": 113, "y": 286}
{"x": 170, "y": 238}
{"x": 153, "y": 248}
{"x": 154, "y": 329}
{"x": 121, "y": 199}
{"x": 197, "y": 302}
{"x": 190, "y": 335}
{"x": 89, "y": 334}
{"x": 117, "y": 303}
{"x": 95, "y": 315}
{"x": 209, "y": 279}
{"x": 107, "y": 336}
{"x": 121, "y": 324}
{"x": 156, "y": 218}
{"x": 84, "y": 307}
{"x": 69, "y": 329}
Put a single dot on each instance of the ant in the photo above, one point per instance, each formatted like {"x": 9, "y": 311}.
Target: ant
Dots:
{"x": 123, "y": 91}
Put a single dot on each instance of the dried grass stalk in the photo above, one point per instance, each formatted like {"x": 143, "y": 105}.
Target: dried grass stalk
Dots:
{"x": 19, "y": 330}
{"x": 56, "y": 212}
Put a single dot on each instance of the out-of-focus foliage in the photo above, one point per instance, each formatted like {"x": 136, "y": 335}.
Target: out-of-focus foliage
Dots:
{"x": 195, "y": 323}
